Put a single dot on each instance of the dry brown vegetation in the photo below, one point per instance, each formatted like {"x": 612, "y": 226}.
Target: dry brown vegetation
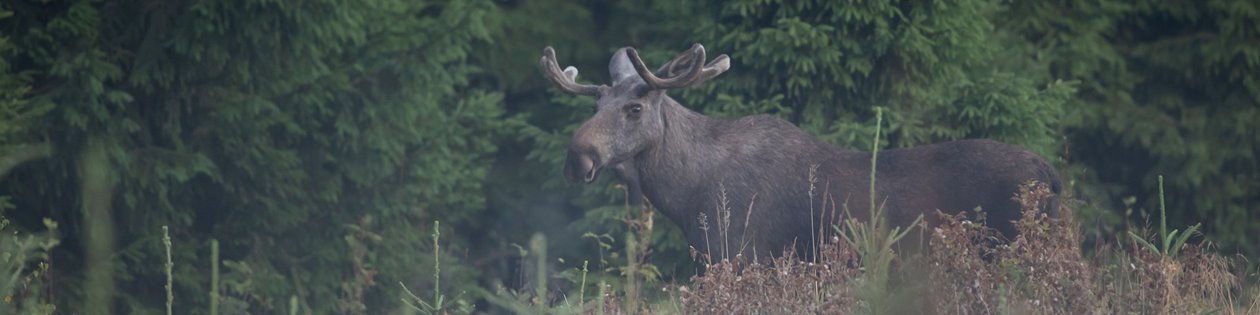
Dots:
{"x": 1043, "y": 271}
{"x": 964, "y": 268}
{"x": 787, "y": 285}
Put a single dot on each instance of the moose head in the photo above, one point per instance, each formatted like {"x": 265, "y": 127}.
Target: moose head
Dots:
{"x": 628, "y": 113}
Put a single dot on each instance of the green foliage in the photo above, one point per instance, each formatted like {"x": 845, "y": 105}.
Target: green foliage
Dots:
{"x": 1168, "y": 87}
{"x": 24, "y": 265}
{"x": 267, "y": 125}
{"x": 936, "y": 67}
{"x": 17, "y": 112}
{"x": 1167, "y": 244}
{"x": 439, "y": 304}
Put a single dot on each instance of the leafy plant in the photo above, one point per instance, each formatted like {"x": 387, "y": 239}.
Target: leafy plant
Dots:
{"x": 20, "y": 285}
{"x": 874, "y": 241}
{"x": 439, "y": 304}
{"x": 1167, "y": 244}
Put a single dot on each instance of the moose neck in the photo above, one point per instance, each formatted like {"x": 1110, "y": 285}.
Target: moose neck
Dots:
{"x": 685, "y": 158}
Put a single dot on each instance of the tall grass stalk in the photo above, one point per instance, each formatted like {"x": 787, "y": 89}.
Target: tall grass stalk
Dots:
{"x": 638, "y": 242}
{"x": 582, "y": 287}
{"x": 873, "y": 240}
{"x": 437, "y": 265}
{"x": 743, "y": 241}
{"x": 631, "y": 272}
{"x": 170, "y": 293}
{"x": 813, "y": 183}
{"x": 704, "y": 228}
{"x": 214, "y": 277}
{"x": 1168, "y": 244}
{"x": 538, "y": 246}
{"x": 879, "y": 118}
{"x": 599, "y": 307}
{"x": 723, "y": 219}
{"x": 438, "y": 304}
{"x": 293, "y": 305}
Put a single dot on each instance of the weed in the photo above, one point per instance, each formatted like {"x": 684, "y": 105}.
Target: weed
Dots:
{"x": 363, "y": 276}
{"x": 1167, "y": 244}
{"x": 873, "y": 241}
{"x": 24, "y": 260}
{"x": 170, "y": 294}
{"x": 439, "y": 305}
{"x": 788, "y": 285}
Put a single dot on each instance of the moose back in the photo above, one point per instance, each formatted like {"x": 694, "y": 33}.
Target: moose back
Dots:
{"x": 778, "y": 185}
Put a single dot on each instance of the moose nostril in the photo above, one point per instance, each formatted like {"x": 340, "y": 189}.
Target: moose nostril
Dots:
{"x": 590, "y": 175}
{"x": 591, "y": 166}
{"x": 594, "y": 160}
{"x": 581, "y": 167}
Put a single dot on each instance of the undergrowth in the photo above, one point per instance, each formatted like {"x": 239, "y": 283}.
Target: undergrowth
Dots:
{"x": 24, "y": 261}
{"x": 1042, "y": 271}
{"x": 965, "y": 269}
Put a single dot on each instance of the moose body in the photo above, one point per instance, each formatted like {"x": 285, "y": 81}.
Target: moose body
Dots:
{"x": 778, "y": 185}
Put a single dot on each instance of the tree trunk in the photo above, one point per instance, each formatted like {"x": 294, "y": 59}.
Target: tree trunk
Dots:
{"x": 98, "y": 180}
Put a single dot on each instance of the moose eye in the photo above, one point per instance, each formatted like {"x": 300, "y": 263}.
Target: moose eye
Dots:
{"x": 634, "y": 108}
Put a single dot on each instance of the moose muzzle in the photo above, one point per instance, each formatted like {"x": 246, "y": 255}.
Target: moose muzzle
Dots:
{"x": 589, "y": 151}
{"x": 582, "y": 167}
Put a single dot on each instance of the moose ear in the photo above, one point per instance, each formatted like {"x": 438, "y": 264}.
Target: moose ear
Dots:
{"x": 620, "y": 66}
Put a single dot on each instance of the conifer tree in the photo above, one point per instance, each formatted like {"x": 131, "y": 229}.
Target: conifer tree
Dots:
{"x": 278, "y": 128}
{"x": 1168, "y": 88}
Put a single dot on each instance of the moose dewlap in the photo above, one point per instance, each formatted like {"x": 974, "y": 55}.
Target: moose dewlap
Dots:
{"x": 780, "y": 185}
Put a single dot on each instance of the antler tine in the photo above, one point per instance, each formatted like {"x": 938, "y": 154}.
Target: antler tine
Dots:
{"x": 714, "y": 68}
{"x": 642, "y": 69}
{"x": 565, "y": 80}
{"x": 696, "y": 73}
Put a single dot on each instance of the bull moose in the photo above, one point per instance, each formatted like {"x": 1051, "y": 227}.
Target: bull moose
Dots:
{"x": 769, "y": 175}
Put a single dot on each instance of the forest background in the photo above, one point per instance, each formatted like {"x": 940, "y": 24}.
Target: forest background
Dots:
{"x": 317, "y": 143}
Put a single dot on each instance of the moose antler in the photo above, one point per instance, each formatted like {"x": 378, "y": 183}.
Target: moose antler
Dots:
{"x": 696, "y": 73}
{"x": 565, "y": 80}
